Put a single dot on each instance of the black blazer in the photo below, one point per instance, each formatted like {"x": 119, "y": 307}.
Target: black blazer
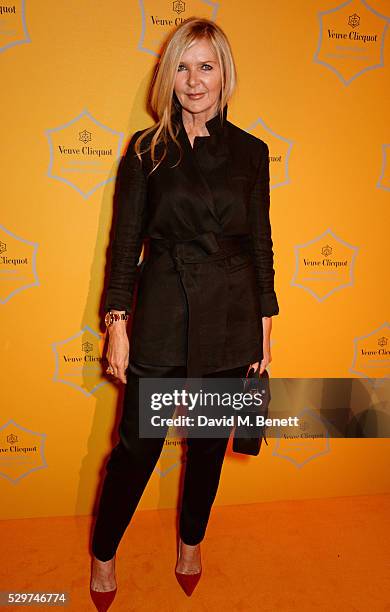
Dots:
{"x": 207, "y": 277}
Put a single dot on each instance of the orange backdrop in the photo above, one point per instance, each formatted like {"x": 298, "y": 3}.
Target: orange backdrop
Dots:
{"x": 314, "y": 84}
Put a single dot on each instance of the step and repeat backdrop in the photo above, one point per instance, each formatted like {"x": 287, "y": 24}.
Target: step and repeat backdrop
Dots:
{"x": 314, "y": 84}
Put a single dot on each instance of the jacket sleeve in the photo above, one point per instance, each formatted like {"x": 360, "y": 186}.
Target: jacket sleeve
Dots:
{"x": 130, "y": 196}
{"x": 260, "y": 229}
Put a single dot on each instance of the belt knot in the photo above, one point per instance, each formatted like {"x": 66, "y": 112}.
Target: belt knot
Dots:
{"x": 179, "y": 262}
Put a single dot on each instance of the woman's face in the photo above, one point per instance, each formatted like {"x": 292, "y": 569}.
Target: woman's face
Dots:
{"x": 198, "y": 79}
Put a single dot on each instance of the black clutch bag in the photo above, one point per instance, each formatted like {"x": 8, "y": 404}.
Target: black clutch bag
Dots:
{"x": 248, "y": 435}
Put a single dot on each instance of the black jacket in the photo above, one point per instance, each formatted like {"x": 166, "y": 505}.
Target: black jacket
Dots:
{"x": 207, "y": 277}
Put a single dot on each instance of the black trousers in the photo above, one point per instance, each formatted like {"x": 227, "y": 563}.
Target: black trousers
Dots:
{"x": 132, "y": 462}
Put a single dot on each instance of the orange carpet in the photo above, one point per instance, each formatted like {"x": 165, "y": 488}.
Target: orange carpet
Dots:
{"x": 322, "y": 554}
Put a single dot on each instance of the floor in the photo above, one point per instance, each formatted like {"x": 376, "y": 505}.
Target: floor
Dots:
{"x": 303, "y": 555}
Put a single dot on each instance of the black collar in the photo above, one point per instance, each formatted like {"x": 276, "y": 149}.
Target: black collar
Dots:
{"x": 214, "y": 125}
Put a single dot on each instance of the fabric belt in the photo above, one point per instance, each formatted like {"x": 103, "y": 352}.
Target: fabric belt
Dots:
{"x": 205, "y": 249}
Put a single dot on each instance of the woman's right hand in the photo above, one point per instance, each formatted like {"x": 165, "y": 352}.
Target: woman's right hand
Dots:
{"x": 118, "y": 350}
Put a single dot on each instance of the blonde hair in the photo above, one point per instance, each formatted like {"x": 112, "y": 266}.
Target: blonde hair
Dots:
{"x": 162, "y": 98}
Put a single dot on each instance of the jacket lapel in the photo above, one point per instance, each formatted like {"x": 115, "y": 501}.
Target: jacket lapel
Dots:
{"x": 217, "y": 147}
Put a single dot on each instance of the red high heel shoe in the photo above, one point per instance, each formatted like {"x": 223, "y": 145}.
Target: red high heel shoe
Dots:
{"x": 187, "y": 581}
{"x": 102, "y": 599}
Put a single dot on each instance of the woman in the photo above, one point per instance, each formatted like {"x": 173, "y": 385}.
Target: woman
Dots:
{"x": 195, "y": 188}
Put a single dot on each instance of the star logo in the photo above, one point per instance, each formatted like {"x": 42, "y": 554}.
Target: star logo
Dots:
{"x": 18, "y": 269}
{"x": 85, "y": 136}
{"x": 21, "y": 453}
{"x": 76, "y": 161}
{"x": 351, "y": 51}
{"x": 13, "y": 26}
{"x": 354, "y": 20}
{"x": 79, "y": 364}
{"x": 323, "y": 270}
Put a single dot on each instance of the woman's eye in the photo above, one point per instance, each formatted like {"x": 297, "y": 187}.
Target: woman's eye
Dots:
{"x": 207, "y": 65}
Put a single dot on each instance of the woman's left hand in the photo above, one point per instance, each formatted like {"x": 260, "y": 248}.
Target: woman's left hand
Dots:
{"x": 267, "y": 358}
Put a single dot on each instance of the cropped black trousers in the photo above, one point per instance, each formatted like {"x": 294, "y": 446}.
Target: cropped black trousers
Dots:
{"x": 133, "y": 460}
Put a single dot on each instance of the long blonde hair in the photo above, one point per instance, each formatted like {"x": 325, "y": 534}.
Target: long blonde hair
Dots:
{"x": 162, "y": 99}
